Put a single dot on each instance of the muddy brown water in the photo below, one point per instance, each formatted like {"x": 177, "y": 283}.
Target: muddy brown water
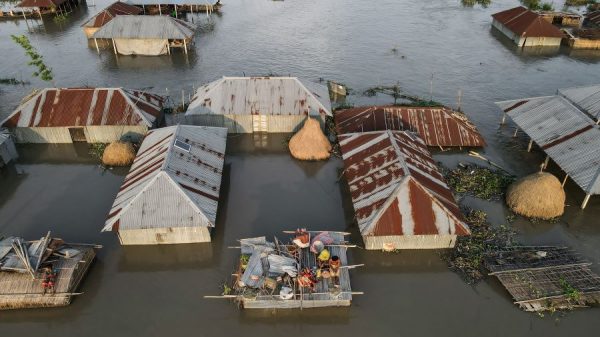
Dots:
{"x": 158, "y": 291}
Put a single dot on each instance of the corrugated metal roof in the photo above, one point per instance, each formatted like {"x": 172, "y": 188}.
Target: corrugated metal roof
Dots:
{"x": 145, "y": 27}
{"x": 40, "y": 3}
{"x": 593, "y": 17}
{"x": 524, "y": 22}
{"x": 396, "y": 187}
{"x": 60, "y": 107}
{"x": 108, "y": 13}
{"x": 261, "y": 96}
{"x": 585, "y": 98}
{"x": 171, "y": 2}
{"x": 169, "y": 185}
{"x": 437, "y": 126}
{"x": 564, "y": 132}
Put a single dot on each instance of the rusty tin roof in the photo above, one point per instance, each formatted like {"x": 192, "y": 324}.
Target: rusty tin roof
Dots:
{"x": 396, "y": 187}
{"x": 105, "y": 15}
{"x": 437, "y": 126}
{"x": 61, "y": 107}
{"x": 175, "y": 180}
{"x": 40, "y": 3}
{"x": 524, "y": 22}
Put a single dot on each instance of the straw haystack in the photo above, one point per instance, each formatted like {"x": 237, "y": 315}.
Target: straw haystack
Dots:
{"x": 118, "y": 154}
{"x": 539, "y": 195}
{"x": 310, "y": 143}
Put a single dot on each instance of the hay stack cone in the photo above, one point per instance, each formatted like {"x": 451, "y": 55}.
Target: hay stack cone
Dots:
{"x": 118, "y": 154}
{"x": 539, "y": 195}
{"x": 310, "y": 143}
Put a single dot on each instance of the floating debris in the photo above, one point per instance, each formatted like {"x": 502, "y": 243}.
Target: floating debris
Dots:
{"x": 478, "y": 181}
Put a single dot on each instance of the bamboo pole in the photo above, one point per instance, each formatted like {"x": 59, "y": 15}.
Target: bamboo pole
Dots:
{"x": 585, "y": 201}
{"x": 530, "y": 145}
{"x": 97, "y": 48}
{"x": 185, "y": 46}
{"x": 565, "y": 180}
{"x": 114, "y": 46}
{"x": 545, "y": 165}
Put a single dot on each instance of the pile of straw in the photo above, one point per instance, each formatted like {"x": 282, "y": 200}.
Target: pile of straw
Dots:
{"x": 118, "y": 154}
{"x": 539, "y": 195}
{"x": 310, "y": 143}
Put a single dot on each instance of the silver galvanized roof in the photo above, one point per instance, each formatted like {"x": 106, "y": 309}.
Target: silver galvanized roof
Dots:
{"x": 261, "y": 96}
{"x": 174, "y": 181}
{"x": 171, "y": 2}
{"x": 585, "y": 98}
{"x": 145, "y": 27}
{"x": 564, "y": 132}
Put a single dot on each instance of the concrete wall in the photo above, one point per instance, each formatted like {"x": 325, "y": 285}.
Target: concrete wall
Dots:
{"x": 578, "y": 43}
{"x": 245, "y": 123}
{"x": 160, "y": 236}
{"x": 93, "y": 134}
{"x": 409, "y": 241}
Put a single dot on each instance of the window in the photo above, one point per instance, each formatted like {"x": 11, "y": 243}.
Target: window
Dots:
{"x": 183, "y": 146}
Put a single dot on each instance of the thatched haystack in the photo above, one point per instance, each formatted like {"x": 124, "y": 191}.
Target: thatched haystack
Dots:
{"x": 118, "y": 154}
{"x": 310, "y": 143}
{"x": 539, "y": 195}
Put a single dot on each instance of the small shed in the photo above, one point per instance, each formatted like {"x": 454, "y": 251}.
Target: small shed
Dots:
{"x": 49, "y": 6}
{"x": 437, "y": 126}
{"x": 146, "y": 35}
{"x": 564, "y": 127}
{"x": 586, "y": 38}
{"x": 93, "y": 115}
{"x": 258, "y": 104}
{"x": 8, "y": 151}
{"x": 104, "y": 16}
{"x": 400, "y": 198}
{"x": 526, "y": 28}
{"x": 171, "y": 193}
{"x": 566, "y": 19}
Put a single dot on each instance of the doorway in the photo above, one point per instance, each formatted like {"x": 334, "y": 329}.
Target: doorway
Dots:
{"x": 77, "y": 135}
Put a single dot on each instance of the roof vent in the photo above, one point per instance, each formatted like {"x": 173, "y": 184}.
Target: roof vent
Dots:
{"x": 182, "y": 146}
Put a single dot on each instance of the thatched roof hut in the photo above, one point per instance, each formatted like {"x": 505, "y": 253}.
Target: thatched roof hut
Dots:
{"x": 310, "y": 143}
{"x": 539, "y": 195}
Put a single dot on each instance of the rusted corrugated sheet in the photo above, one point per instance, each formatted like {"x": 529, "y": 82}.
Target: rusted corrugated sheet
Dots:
{"x": 261, "y": 96}
{"x": 40, "y": 3}
{"x": 117, "y": 8}
{"x": 593, "y": 18}
{"x": 171, "y": 185}
{"x": 524, "y": 22}
{"x": 437, "y": 126}
{"x": 55, "y": 107}
{"x": 396, "y": 187}
{"x": 567, "y": 134}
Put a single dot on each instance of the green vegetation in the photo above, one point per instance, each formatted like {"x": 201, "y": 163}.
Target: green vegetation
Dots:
{"x": 472, "y": 3}
{"x": 478, "y": 181}
{"x": 226, "y": 289}
{"x": 468, "y": 256}
{"x": 12, "y": 81}
{"x": 60, "y": 19}
{"x": 572, "y": 294}
{"x": 579, "y": 2}
{"x": 536, "y": 5}
{"x": 395, "y": 91}
{"x": 97, "y": 150}
{"x": 37, "y": 60}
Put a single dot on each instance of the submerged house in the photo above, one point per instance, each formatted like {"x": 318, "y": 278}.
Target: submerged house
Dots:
{"x": 585, "y": 38}
{"x": 146, "y": 35}
{"x": 258, "y": 104}
{"x": 565, "y": 126}
{"x": 437, "y": 126}
{"x": 526, "y": 28}
{"x": 104, "y": 16}
{"x": 8, "y": 152}
{"x": 49, "y": 6}
{"x": 400, "y": 198}
{"x": 562, "y": 18}
{"x": 93, "y": 115}
{"x": 171, "y": 193}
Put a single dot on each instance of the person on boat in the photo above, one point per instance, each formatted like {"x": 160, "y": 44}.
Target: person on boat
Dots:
{"x": 302, "y": 239}
{"x": 334, "y": 265}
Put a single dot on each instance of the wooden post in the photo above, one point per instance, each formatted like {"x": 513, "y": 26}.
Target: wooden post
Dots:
{"x": 503, "y": 119}
{"x": 516, "y": 131}
{"x": 114, "y": 46}
{"x": 176, "y": 12}
{"x": 585, "y": 201}
{"x": 184, "y": 46}
{"x": 565, "y": 180}
{"x": 530, "y": 145}
{"x": 546, "y": 162}
{"x": 159, "y": 10}
{"x": 144, "y": 8}
{"x": 182, "y": 99}
{"x": 96, "y": 42}
{"x": 25, "y": 17}
{"x": 168, "y": 47}
{"x": 40, "y": 13}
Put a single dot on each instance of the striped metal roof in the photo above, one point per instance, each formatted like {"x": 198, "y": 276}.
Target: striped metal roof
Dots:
{"x": 396, "y": 187}
{"x": 145, "y": 27}
{"x": 62, "y": 107}
{"x": 585, "y": 98}
{"x": 525, "y": 22}
{"x": 261, "y": 96}
{"x": 437, "y": 126}
{"x": 108, "y": 13}
{"x": 564, "y": 132}
{"x": 174, "y": 181}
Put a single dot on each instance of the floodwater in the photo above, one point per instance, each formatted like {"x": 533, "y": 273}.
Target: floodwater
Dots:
{"x": 158, "y": 291}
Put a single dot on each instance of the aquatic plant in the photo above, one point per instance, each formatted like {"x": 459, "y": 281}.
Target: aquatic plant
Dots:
{"x": 571, "y": 293}
{"x": 12, "y": 81}
{"x": 43, "y": 71}
{"x": 60, "y": 19}
{"x": 468, "y": 255}
{"x": 472, "y": 3}
{"x": 97, "y": 150}
{"x": 478, "y": 181}
{"x": 537, "y": 5}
